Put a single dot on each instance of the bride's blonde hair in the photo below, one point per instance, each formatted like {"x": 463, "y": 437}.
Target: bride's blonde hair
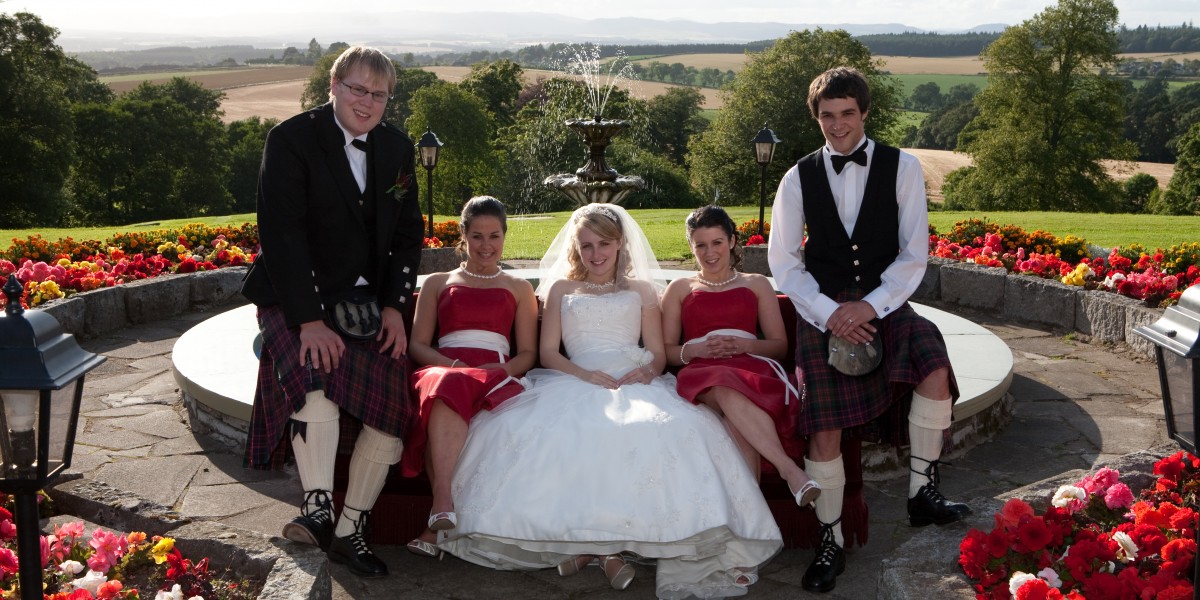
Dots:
{"x": 605, "y": 223}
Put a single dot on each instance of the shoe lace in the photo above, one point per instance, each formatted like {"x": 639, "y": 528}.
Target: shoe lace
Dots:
{"x": 931, "y": 471}
{"x": 358, "y": 538}
{"x": 828, "y": 550}
{"x": 323, "y": 513}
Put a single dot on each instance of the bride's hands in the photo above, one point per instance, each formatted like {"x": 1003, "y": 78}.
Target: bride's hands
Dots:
{"x": 723, "y": 346}
{"x": 638, "y": 375}
{"x": 600, "y": 378}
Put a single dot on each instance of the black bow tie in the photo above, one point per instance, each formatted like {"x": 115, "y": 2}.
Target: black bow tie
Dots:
{"x": 858, "y": 156}
{"x": 362, "y": 145}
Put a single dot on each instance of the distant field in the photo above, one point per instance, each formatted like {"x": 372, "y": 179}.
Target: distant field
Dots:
{"x": 214, "y": 79}
{"x": 640, "y": 89}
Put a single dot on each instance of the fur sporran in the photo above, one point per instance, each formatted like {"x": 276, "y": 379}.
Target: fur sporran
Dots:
{"x": 853, "y": 359}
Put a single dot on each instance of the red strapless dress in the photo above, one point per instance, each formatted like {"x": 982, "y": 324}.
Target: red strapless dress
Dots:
{"x": 465, "y": 390}
{"x": 754, "y": 378}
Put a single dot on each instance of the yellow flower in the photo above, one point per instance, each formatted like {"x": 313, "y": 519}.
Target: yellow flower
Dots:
{"x": 160, "y": 550}
{"x": 64, "y": 262}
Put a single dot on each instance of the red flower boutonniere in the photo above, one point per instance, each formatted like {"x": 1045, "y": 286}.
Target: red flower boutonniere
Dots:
{"x": 400, "y": 189}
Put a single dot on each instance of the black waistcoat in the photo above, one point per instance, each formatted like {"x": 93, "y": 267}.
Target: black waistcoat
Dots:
{"x": 837, "y": 260}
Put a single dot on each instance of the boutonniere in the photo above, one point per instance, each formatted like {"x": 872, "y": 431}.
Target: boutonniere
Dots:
{"x": 400, "y": 189}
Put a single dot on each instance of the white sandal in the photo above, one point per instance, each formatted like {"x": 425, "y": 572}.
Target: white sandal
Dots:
{"x": 623, "y": 577}
{"x": 443, "y": 521}
{"x": 808, "y": 493}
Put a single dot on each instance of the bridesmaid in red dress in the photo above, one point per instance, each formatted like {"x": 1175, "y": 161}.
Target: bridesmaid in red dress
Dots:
{"x": 710, "y": 323}
{"x": 476, "y": 311}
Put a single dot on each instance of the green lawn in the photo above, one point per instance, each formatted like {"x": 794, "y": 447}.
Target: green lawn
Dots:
{"x": 530, "y": 235}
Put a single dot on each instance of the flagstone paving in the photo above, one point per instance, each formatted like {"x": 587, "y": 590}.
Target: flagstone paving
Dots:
{"x": 1077, "y": 405}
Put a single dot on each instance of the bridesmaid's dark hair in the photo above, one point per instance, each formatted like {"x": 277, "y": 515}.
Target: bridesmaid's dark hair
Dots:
{"x": 479, "y": 206}
{"x": 715, "y": 216}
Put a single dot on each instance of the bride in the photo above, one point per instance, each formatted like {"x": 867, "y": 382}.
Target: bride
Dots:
{"x": 599, "y": 459}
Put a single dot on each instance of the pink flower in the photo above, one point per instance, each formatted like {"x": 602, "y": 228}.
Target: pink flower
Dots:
{"x": 1118, "y": 496}
{"x": 109, "y": 547}
{"x": 8, "y": 563}
{"x": 1100, "y": 481}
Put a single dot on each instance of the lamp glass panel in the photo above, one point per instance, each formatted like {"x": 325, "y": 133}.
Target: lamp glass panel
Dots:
{"x": 62, "y": 415}
{"x": 1178, "y": 371}
{"x": 429, "y": 156}
{"x": 19, "y": 446}
{"x": 763, "y": 152}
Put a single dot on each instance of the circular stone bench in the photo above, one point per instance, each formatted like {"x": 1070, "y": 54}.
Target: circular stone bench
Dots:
{"x": 216, "y": 368}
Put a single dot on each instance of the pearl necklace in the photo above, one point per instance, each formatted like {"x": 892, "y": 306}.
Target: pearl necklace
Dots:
{"x": 717, "y": 284}
{"x": 463, "y": 268}
{"x": 598, "y": 287}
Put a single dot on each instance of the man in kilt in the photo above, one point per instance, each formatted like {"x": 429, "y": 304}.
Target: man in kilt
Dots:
{"x": 864, "y": 207}
{"x": 338, "y": 217}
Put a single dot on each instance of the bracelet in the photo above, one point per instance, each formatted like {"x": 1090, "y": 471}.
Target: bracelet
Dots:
{"x": 455, "y": 362}
{"x": 681, "y": 348}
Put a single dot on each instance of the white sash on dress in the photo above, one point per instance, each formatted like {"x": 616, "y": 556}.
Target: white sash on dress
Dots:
{"x": 483, "y": 340}
{"x": 775, "y": 366}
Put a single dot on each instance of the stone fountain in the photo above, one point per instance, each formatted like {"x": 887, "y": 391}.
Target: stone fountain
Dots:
{"x": 595, "y": 181}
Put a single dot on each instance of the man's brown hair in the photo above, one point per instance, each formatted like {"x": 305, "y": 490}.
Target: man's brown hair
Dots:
{"x": 839, "y": 82}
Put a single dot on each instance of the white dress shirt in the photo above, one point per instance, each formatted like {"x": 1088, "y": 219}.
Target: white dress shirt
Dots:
{"x": 785, "y": 251}
{"x": 357, "y": 158}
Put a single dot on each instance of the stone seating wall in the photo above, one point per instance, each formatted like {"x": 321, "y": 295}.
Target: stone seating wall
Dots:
{"x": 1102, "y": 316}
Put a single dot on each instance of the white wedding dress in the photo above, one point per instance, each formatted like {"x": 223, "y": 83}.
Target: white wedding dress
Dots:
{"x": 569, "y": 467}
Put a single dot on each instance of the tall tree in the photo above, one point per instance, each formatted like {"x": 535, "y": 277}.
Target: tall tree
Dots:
{"x": 465, "y": 166}
{"x": 38, "y": 82}
{"x": 246, "y": 139}
{"x": 177, "y": 165}
{"x": 1149, "y": 122}
{"x": 1049, "y": 115}
{"x": 772, "y": 89}
{"x": 1183, "y": 193}
{"x": 673, "y": 118}
{"x": 497, "y": 83}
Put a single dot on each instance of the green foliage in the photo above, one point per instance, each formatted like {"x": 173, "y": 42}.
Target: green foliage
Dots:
{"x": 1150, "y": 120}
{"x": 940, "y": 129}
{"x": 316, "y": 89}
{"x": 37, "y": 81}
{"x": 772, "y": 89}
{"x": 176, "y": 166}
{"x": 666, "y": 182}
{"x": 465, "y": 165}
{"x": 1049, "y": 116}
{"x": 1137, "y": 190}
{"x": 245, "y": 140}
{"x": 674, "y": 117}
{"x": 1183, "y": 193}
{"x": 497, "y": 84}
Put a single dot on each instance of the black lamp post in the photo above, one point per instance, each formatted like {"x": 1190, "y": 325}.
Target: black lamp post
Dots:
{"x": 1177, "y": 352}
{"x": 429, "y": 147}
{"x": 41, "y": 384}
{"x": 764, "y": 151}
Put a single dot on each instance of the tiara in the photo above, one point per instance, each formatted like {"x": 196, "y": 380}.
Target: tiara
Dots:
{"x": 600, "y": 209}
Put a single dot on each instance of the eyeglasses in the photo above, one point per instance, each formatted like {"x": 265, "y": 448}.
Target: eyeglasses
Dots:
{"x": 361, "y": 92}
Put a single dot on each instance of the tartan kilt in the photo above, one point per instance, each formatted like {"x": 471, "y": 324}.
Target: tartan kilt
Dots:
{"x": 874, "y": 406}
{"x": 368, "y": 386}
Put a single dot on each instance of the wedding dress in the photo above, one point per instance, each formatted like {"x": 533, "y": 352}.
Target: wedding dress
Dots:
{"x": 568, "y": 467}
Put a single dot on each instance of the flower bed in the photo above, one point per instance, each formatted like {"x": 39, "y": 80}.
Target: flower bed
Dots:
{"x": 50, "y": 270}
{"x": 104, "y": 564}
{"x": 1094, "y": 541}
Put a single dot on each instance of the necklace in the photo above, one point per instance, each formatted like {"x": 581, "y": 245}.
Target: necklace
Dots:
{"x": 598, "y": 287}
{"x": 463, "y": 268}
{"x": 717, "y": 284}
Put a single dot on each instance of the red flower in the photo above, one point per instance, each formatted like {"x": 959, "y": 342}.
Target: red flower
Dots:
{"x": 1033, "y": 535}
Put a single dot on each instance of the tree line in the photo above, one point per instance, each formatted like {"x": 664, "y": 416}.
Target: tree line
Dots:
{"x": 75, "y": 153}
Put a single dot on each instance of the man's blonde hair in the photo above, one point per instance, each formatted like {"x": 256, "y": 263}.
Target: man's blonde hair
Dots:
{"x": 374, "y": 61}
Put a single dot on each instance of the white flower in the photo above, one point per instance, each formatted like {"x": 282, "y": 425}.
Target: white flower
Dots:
{"x": 176, "y": 593}
{"x": 1017, "y": 580}
{"x": 1112, "y": 280}
{"x": 1127, "y": 550}
{"x": 638, "y": 355}
{"x": 1067, "y": 494}
{"x": 72, "y": 567}
{"x": 90, "y": 582}
{"x": 1050, "y": 576}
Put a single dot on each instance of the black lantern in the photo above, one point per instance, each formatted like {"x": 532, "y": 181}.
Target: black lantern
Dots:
{"x": 41, "y": 385}
{"x": 1178, "y": 356}
{"x": 764, "y": 151}
{"x": 429, "y": 147}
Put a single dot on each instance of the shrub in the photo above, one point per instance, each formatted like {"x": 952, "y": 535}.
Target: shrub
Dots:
{"x": 1137, "y": 191}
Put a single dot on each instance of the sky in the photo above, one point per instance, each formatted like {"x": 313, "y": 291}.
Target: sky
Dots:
{"x": 245, "y": 17}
